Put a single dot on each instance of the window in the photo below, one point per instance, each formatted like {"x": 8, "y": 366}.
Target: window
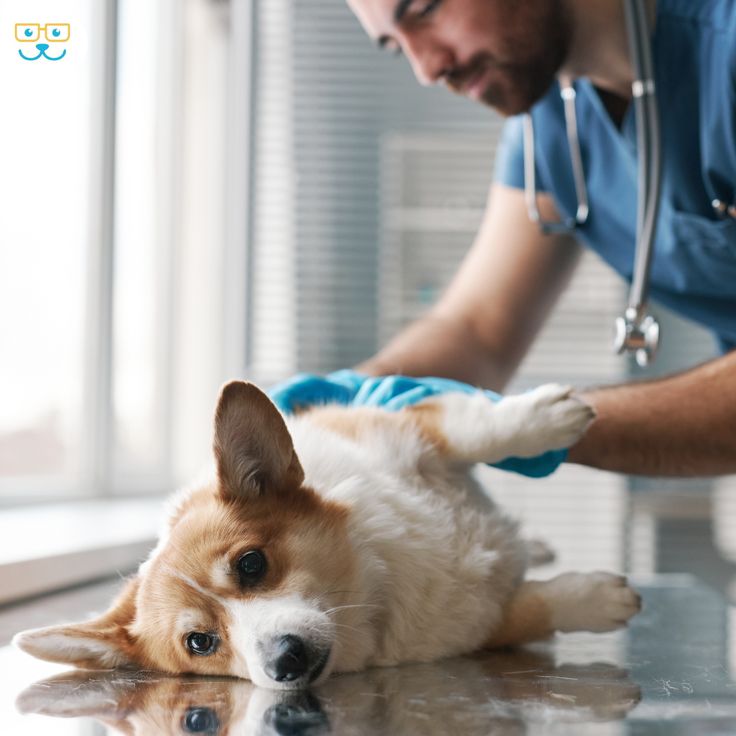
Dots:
{"x": 112, "y": 248}
{"x": 46, "y": 183}
{"x": 142, "y": 254}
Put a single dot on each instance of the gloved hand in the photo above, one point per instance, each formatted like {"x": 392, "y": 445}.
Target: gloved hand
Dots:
{"x": 393, "y": 393}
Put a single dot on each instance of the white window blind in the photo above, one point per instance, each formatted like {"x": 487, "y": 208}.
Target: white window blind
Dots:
{"x": 324, "y": 101}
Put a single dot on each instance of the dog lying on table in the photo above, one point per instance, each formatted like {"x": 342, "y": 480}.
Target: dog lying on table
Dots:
{"x": 348, "y": 538}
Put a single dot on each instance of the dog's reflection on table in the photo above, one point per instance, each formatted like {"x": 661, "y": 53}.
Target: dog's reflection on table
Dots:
{"x": 491, "y": 693}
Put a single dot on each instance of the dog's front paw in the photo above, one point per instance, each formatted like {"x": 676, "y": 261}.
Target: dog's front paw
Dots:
{"x": 555, "y": 418}
{"x": 597, "y": 601}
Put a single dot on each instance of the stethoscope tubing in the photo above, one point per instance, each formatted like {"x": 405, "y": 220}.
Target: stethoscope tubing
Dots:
{"x": 636, "y": 332}
{"x": 649, "y": 149}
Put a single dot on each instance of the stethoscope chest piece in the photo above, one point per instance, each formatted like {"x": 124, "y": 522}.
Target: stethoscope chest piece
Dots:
{"x": 637, "y": 333}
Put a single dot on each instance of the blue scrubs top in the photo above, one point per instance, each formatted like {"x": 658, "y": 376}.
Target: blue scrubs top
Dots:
{"x": 694, "y": 263}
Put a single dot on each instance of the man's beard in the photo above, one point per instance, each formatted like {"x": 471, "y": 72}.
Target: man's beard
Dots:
{"x": 514, "y": 86}
{"x": 518, "y": 88}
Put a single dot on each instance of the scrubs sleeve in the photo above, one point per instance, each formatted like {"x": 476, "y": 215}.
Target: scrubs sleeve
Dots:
{"x": 510, "y": 154}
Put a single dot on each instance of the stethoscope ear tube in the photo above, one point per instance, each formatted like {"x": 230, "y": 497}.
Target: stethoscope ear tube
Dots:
{"x": 637, "y": 331}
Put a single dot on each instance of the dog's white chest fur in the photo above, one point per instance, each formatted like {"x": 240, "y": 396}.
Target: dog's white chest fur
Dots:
{"x": 438, "y": 559}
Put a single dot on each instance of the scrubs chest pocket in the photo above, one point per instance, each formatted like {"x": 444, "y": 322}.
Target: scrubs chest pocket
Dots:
{"x": 703, "y": 257}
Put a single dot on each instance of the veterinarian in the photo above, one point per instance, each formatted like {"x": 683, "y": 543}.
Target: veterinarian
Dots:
{"x": 520, "y": 56}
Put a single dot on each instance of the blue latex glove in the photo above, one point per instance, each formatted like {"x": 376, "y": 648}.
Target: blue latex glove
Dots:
{"x": 393, "y": 393}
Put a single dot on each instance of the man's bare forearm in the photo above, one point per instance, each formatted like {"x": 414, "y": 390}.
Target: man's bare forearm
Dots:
{"x": 482, "y": 326}
{"x": 440, "y": 346}
{"x": 684, "y": 425}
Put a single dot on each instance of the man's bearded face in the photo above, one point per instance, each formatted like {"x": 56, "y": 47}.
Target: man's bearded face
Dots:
{"x": 503, "y": 53}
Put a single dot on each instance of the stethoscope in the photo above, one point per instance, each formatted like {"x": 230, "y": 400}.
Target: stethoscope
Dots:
{"x": 637, "y": 331}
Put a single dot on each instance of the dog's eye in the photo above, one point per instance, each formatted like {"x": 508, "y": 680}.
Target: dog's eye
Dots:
{"x": 251, "y": 567}
{"x": 200, "y": 720}
{"x": 201, "y": 644}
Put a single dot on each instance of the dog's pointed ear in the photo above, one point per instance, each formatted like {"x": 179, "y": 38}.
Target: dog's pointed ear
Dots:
{"x": 253, "y": 447}
{"x": 100, "y": 644}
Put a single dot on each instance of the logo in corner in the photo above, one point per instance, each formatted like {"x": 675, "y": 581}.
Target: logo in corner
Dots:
{"x": 42, "y": 37}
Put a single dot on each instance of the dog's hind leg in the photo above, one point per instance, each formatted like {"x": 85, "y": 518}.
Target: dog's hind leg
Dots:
{"x": 596, "y": 601}
{"x": 472, "y": 428}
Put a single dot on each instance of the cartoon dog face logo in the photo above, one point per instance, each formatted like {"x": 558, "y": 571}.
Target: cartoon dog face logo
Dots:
{"x": 51, "y": 33}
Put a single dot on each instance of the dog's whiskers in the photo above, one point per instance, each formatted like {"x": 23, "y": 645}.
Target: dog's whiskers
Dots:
{"x": 321, "y": 626}
{"x": 339, "y": 592}
{"x": 345, "y": 626}
{"x": 356, "y": 605}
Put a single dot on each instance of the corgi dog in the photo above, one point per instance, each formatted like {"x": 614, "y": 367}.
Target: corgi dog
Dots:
{"x": 345, "y": 538}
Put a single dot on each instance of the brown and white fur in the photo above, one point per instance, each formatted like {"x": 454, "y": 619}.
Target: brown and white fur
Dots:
{"x": 379, "y": 545}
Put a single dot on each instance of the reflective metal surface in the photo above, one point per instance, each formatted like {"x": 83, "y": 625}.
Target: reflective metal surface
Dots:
{"x": 670, "y": 673}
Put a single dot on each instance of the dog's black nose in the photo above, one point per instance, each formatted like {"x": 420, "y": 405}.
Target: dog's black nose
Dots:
{"x": 290, "y": 659}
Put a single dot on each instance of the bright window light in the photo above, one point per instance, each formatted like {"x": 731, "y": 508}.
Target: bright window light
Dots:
{"x": 44, "y": 188}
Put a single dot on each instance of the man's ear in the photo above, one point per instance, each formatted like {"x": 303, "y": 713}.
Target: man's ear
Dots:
{"x": 253, "y": 448}
{"x": 101, "y": 644}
